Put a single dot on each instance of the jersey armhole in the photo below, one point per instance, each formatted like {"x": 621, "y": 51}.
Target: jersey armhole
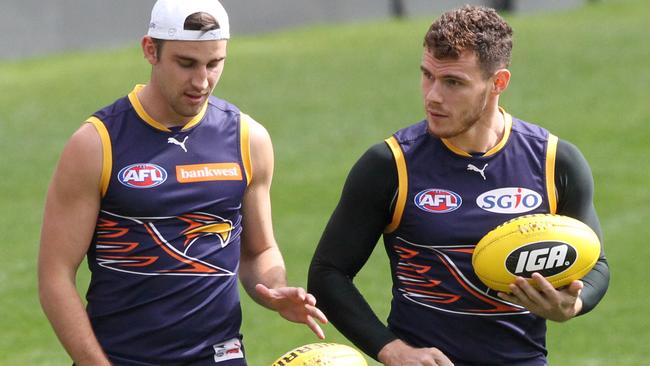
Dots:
{"x": 107, "y": 154}
{"x": 551, "y": 189}
{"x": 402, "y": 187}
{"x": 245, "y": 146}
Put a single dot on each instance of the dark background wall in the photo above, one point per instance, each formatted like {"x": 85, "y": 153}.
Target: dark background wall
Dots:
{"x": 37, "y": 27}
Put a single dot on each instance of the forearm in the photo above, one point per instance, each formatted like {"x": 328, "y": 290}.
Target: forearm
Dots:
{"x": 347, "y": 309}
{"x": 65, "y": 311}
{"x": 266, "y": 268}
{"x": 596, "y": 283}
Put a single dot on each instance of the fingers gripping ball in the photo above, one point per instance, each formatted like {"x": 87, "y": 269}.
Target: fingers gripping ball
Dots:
{"x": 560, "y": 248}
{"x": 322, "y": 354}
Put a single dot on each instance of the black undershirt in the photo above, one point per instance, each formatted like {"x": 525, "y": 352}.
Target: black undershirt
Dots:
{"x": 365, "y": 209}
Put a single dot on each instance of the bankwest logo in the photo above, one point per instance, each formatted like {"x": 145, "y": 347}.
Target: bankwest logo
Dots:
{"x": 208, "y": 172}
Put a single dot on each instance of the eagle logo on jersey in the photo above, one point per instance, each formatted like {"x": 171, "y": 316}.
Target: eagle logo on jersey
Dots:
{"x": 441, "y": 278}
{"x": 153, "y": 246}
{"x": 201, "y": 225}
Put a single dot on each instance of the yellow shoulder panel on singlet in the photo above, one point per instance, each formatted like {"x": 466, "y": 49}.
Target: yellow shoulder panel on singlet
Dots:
{"x": 244, "y": 137}
{"x": 551, "y": 190}
{"x": 107, "y": 154}
{"x": 402, "y": 188}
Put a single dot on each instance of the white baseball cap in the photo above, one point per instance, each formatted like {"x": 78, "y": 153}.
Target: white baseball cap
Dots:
{"x": 168, "y": 20}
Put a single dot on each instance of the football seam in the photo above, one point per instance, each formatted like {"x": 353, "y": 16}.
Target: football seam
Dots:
{"x": 485, "y": 245}
{"x": 582, "y": 227}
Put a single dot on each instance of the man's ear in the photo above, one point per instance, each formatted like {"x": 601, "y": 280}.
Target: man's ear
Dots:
{"x": 149, "y": 50}
{"x": 501, "y": 81}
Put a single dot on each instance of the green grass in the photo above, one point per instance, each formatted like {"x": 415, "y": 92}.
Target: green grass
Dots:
{"x": 326, "y": 94}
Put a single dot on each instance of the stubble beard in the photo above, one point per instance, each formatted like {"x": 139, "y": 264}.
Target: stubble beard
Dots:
{"x": 183, "y": 109}
{"x": 466, "y": 121}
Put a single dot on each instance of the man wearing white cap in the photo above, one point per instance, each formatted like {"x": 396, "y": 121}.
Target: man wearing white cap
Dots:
{"x": 166, "y": 192}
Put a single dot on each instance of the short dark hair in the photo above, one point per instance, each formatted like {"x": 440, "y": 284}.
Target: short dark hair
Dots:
{"x": 474, "y": 28}
{"x": 200, "y": 21}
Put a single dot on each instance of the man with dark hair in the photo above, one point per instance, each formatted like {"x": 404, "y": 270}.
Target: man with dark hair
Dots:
{"x": 166, "y": 192}
{"x": 424, "y": 189}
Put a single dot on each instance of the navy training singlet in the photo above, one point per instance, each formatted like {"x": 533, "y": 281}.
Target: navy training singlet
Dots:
{"x": 165, "y": 253}
{"x": 447, "y": 200}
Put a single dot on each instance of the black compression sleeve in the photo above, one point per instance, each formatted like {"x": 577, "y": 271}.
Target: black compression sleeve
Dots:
{"x": 575, "y": 188}
{"x": 347, "y": 243}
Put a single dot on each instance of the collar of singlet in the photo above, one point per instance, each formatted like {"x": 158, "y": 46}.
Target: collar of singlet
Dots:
{"x": 139, "y": 109}
{"x": 506, "y": 134}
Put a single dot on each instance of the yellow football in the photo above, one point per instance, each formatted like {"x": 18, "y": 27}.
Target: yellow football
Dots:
{"x": 560, "y": 248}
{"x": 322, "y": 354}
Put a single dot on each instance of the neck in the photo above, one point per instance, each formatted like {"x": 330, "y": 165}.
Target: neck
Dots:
{"x": 152, "y": 102}
{"x": 485, "y": 134}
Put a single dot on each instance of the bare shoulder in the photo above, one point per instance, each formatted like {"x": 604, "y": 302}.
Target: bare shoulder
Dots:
{"x": 85, "y": 139}
{"x": 258, "y": 133}
{"x": 72, "y": 202}
{"x": 261, "y": 149}
{"x": 81, "y": 159}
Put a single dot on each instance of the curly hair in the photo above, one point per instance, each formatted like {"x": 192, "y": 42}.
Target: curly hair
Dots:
{"x": 474, "y": 28}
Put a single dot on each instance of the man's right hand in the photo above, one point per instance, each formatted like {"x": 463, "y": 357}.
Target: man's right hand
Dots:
{"x": 397, "y": 353}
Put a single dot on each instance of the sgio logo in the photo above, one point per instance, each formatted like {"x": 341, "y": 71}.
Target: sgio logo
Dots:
{"x": 511, "y": 200}
{"x": 548, "y": 258}
{"x": 438, "y": 200}
{"x": 142, "y": 175}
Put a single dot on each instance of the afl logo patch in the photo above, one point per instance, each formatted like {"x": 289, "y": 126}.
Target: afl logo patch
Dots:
{"x": 438, "y": 200}
{"x": 142, "y": 175}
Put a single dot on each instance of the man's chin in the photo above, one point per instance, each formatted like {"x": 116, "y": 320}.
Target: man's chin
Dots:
{"x": 189, "y": 111}
{"x": 436, "y": 131}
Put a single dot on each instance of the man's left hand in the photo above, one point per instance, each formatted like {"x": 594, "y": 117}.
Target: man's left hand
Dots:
{"x": 553, "y": 304}
{"x": 294, "y": 304}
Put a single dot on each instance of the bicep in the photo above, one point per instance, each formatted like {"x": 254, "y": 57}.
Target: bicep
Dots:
{"x": 257, "y": 235}
{"x": 575, "y": 186}
{"x": 72, "y": 204}
{"x": 361, "y": 214}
